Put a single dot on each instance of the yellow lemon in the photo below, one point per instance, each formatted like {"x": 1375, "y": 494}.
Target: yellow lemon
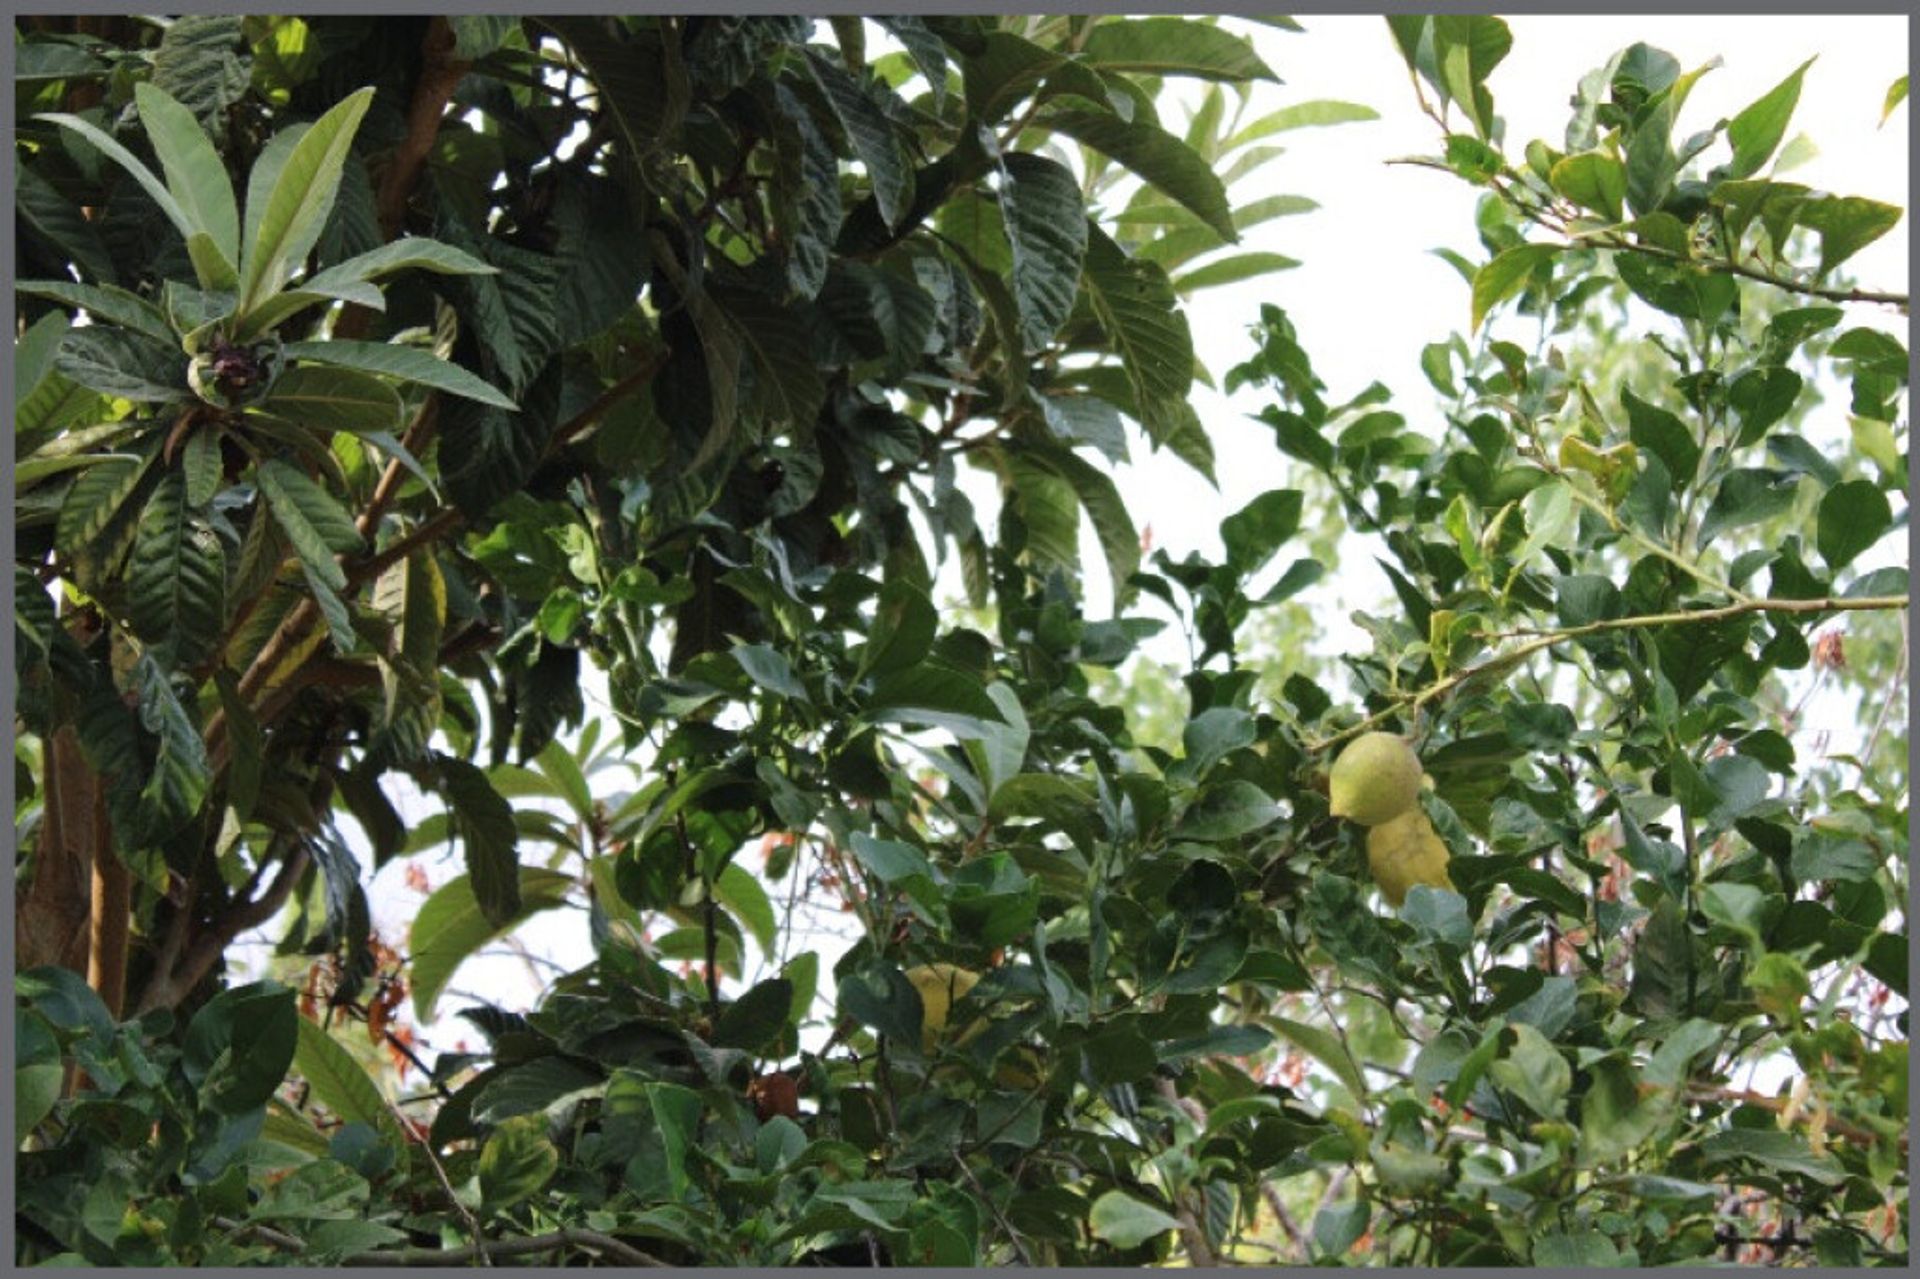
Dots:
{"x": 939, "y": 986}
{"x": 1405, "y": 852}
{"x": 1375, "y": 779}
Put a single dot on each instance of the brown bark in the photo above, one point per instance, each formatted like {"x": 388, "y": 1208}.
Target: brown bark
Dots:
{"x": 439, "y": 75}
{"x": 111, "y": 918}
{"x": 50, "y": 915}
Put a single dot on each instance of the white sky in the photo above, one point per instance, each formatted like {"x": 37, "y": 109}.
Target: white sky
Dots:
{"x": 1370, "y": 294}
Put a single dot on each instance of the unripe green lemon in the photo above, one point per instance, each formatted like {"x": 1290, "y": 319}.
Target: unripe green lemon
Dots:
{"x": 1405, "y": 852}
{"x": 1376, "y": 778}
{"x": 939, "y": 986}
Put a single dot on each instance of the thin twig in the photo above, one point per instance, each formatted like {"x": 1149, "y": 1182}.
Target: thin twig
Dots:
{"x": 1506, "y": 661}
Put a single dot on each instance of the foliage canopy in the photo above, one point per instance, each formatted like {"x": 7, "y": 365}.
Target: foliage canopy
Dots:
{"x": 380, "y": 378}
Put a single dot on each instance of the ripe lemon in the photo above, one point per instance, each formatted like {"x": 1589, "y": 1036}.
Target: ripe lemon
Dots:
{"x": 1405, "y": 852}
{"x": 939, "y": 986}
{"x": 1375, "y": 779}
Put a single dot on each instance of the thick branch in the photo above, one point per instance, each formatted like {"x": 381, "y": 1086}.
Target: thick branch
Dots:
{"x": 166, "y": 988}
{"x": 431, "y": 92}
{"x": 1547, "y": 639}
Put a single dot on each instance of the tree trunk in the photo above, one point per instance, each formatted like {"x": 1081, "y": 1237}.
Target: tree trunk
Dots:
{"x": 51, "y": 915}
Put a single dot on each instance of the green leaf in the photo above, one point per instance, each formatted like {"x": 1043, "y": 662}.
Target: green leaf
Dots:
{"x": 872, "y": 136}
{"x": 122, "y": 363}
{"x": 180, "y": 775}
{"x": 1466, "y": 49}
{"x": 450, "y": 926}
{"x": 747, "y": 901}
{"x": 177, "y": 581}
{"x": 1896, "y": 94}
{"x": 315, "y": 523}
{"x": 294, "y": 209}
{"x": 1594, "y": 180}
{"x": 1112, "y": 525}
{"x": 1506, "y": 275}
{"x": 1168, "y": 46}
{"x": 1257, "y": 530}
{"x": 1125, "y": 1222}
{"x": 1301, "y": 115}
{"x": 516, "y": 1162}
{"x": 483, "y": 820}
{"x": 641, "y": 80}
{"x": 757, "y": 1018}
{"x": 324, "y": 400}
{"x": 1046, "y": 229}
{"x": 340, "y": 1083}
{"x": 1232, "y": 270}
{"x": 105, "y": 302}
{"x": 532, "y": 1088}
{"x": 904, "y": 624}
{"x": 198, "y": 63}
{"x": 1324, "y": 1048}
{"x": 239, "y": 1045}
{"x": 937, "y": 696}
{"x": 408, "y": 363}
{"x": 1846, "y": 225}
{"x": 1337, "y": 1227}
{"x": 1162, "y": 160}
{"x": 1852, "y": 517}
{"x": 1775, "y": 1151}
{"x": 152, "y": 185}
{"x": 1756, "y": 132}
{"x": 880, "y": 996}
{"x": 1137, "y": 307}
{"x": 95, "y": 499}
{"x": 1747, "y": 496}
{"x": 197, "y": 179}
{"x": 1665, "y": 436}
{"x": 1534, "y": 1071}
{"x": 768, "y": 667}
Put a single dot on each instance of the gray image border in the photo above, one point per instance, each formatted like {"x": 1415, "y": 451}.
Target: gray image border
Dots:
{"x": 8, "y": 274}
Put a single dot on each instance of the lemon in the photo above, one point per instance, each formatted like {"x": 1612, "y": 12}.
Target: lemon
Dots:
{"x": 1375, "y": 779}
{"x": 939, "y": 986}
{"x": 1405, "y": 852}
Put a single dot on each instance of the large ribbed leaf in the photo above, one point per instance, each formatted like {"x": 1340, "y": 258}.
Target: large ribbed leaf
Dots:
{"x": 177, "y": 579}
{"x": 781, "y": 345}
{"x": 1050, "y": 510}
{"x": 512, "y": 312}
{"x": 1173, "y": 46}
{"x": 1046, "y": 227}
{"x": 94, "y": 500}
{"x": 179, "y": 777}
{"x": 316, "y": 526}
{"x": 483, "y": 820}
{"x": 105, "y": 302}
{"x": 196, "y": 177}
{"x": 339, "y": 1082}
{"x": 882, "y": 314}
{"x": 324, "y": 399}
{"x": 156, "y": 189}
{"x": 641, "y": 80}
{"x": 352, "y": 280}
{"x": 487, "y": 453}
{"x": 123, "y": 363}
{"x": 1119, "y": 539}
{"x": 1162, "y": 160}
{"x": 871, "y": 135}
{"x": 314, "y": 522}
{"x": 46, "y": 401}
{"x": 408, "y": 363}
{"x": 304, "y": 180}
{"x": 451, "y": 926}
{"x": 197, "y": 64}
{"x": 1136, "y": 306}
{"x": 42, "y": 209}
{"x": 806, "y": 193}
